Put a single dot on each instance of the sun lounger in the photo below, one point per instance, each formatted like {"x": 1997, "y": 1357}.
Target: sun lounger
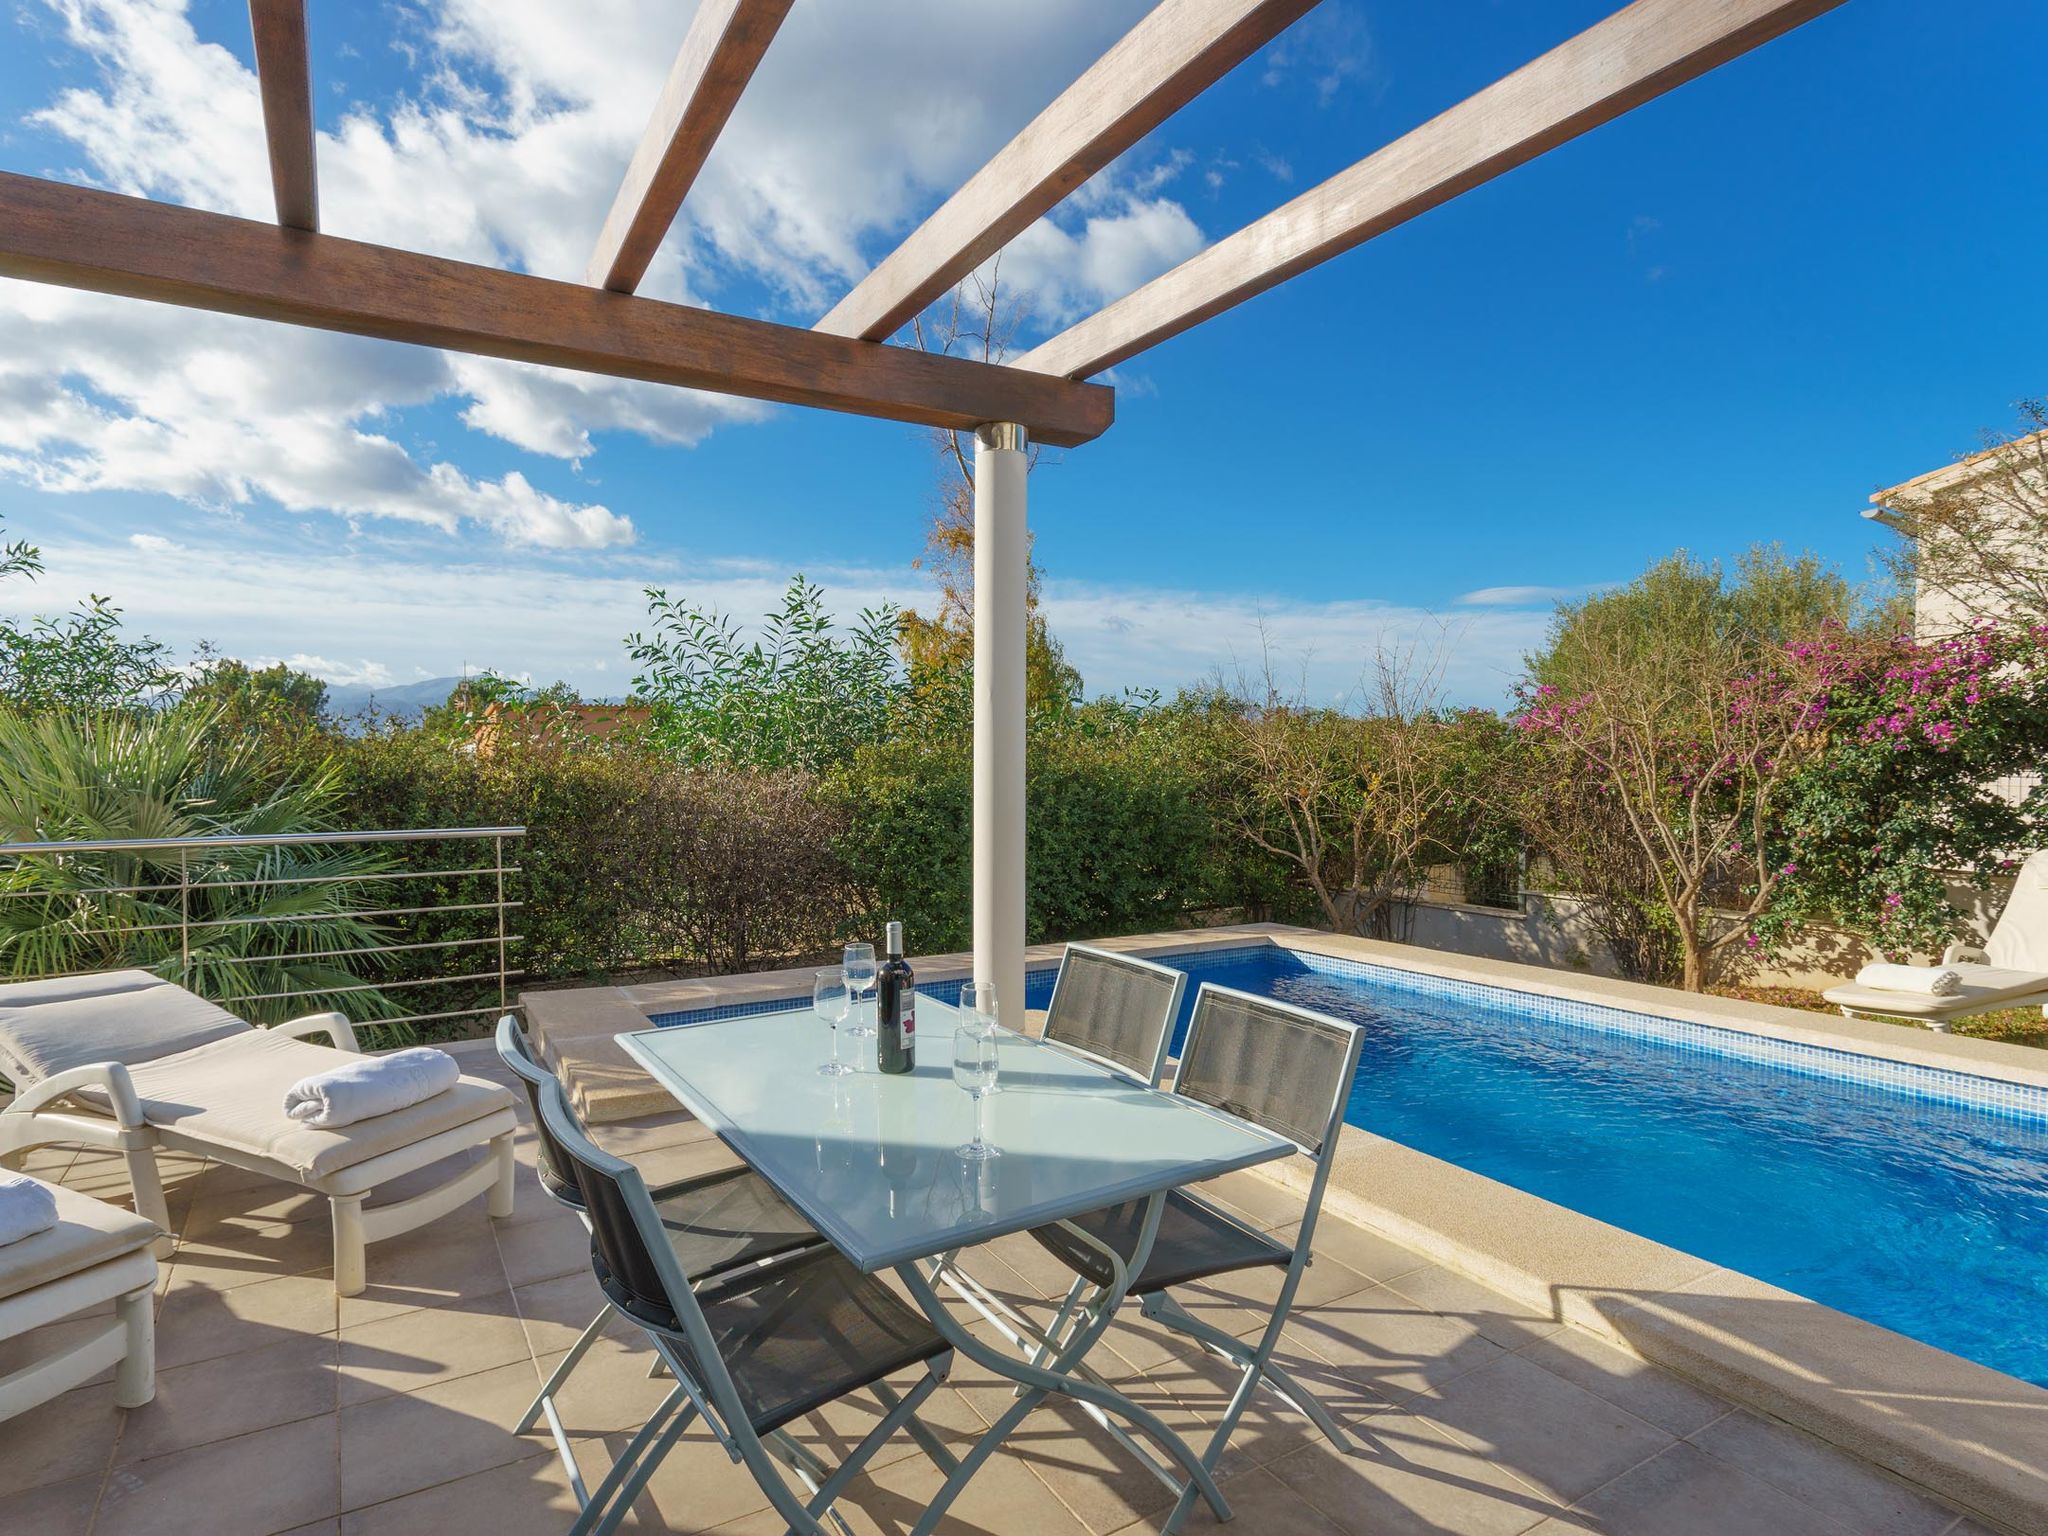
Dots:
{"x": 2010, "y": 971}
{"x": 95, "y": 1254}
{"x": 132, "y": 1063}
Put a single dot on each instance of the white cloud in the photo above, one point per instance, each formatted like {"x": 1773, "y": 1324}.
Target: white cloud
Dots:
{"x": 1517, "y": 597}
{"x": 1329, "y": 48}
{"x": 348, "y": 673}
{"x": 151, "y": 543}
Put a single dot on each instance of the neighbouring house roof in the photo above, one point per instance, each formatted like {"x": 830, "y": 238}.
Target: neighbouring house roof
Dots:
{"x": 1886, "y": 505}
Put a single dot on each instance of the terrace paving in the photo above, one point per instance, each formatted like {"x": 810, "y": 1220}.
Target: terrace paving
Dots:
{"x": 282, "y": 1409}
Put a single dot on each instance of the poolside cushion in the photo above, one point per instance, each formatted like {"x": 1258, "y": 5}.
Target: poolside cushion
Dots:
{"x": 1984, "y": 986}
{"x": 128, "y": 1016}
{"x": 230, "y": 1094}
{"x": 88, "y": 1232}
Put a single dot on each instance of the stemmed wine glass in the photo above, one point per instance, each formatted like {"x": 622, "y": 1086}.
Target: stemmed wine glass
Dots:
{"x": 829, "y": 998}
{"x": 859, "y": 965}
{"x": 975, "y": 1044}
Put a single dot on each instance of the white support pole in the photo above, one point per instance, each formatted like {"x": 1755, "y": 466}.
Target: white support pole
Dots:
{"x": 1000, "y": 461}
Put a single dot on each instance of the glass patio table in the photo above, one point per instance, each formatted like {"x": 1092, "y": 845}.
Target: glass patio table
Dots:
{"x": 869, "y": 1160}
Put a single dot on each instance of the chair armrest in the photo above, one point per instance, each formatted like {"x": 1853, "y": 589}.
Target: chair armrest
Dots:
{"x": 110, "y": 1077}
{"x": 335, "y": 1026}
{"x": 1964, "y": 954}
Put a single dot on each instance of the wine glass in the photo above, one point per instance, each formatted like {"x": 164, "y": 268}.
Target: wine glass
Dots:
{"x": 859, "y": 965}
{"x": 830, "y": 1001}
{"x": 974, "y": 1073}
{"x": 978, "y": 1011}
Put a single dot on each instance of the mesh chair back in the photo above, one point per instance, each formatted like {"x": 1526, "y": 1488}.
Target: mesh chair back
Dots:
{"x": 1115, "y": 1007}
{"x": 635, "y": 1267}
{"x": 1268, "y": 1062}
{"x": 557, "y": 1173}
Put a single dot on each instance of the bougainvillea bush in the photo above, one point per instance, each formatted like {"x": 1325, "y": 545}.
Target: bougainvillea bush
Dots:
{"x": 1916, "y": 788}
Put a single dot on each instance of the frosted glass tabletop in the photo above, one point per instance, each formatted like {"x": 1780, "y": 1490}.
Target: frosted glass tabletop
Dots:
{"x": 868, "y": 1158}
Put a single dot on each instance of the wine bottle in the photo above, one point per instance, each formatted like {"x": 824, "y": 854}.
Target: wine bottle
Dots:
{"x": 895, "y": 1008}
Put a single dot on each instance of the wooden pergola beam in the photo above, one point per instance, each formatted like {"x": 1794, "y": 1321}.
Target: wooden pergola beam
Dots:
{"x": 1632, "y": 57}
{"x": 723, "y": 47}
{"x": 284, "y": 73}
{"x": 1176, "y": 52}
{"x": 52, "y": 232}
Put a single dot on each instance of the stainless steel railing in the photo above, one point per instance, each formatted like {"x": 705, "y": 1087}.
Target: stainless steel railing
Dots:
{"x": 204, "y": 887}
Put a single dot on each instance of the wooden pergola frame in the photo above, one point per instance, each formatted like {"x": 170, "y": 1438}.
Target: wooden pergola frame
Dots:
{"x": 289, "y": 271}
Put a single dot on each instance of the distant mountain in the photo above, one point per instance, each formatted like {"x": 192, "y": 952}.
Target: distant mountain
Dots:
{"x": 408, "y": 701}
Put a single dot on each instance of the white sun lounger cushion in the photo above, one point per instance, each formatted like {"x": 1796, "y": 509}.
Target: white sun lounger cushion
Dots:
{"x": 231, "y": 1094}
{"x": 1982, "y": 984}
{"x": 88, "y": 1232}
{"x": 131, "y": 1017}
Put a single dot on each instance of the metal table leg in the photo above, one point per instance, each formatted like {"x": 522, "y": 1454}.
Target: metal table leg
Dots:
{"x": 1059, "y": 1368}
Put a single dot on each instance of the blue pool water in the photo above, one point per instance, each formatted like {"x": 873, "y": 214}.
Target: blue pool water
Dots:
{"x": 1915, "y": 1199}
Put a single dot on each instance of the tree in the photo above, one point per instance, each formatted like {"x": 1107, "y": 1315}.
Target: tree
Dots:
{"x": 1687, "y": 747}
{"x": 977, "y": 321}
{"x": 1978, "y": 536}
{"x": 79, "y": 661}
{"x": 802, "y": 695}
{"x": 1359, "y": 804}
{"x": 239, "y": 925}
{"x": 269, "y": 699}
{"x": 1918, "y": 787}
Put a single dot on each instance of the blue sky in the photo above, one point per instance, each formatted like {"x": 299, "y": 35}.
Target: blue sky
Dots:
{"x": 1724, "y": 318}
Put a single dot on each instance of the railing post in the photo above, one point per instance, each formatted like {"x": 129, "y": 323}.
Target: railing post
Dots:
{"x": 184, "y": 916}
{"x": 498, "y": 845}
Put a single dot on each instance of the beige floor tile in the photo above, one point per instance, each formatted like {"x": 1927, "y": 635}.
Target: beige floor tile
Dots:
{"x": 1256, "y": 1198}
{"x": 1686, "y": 1492}
{"x": 1242, "y": 1303}
{"x": 55, "y": 1509}
{"x": 1375, "y": 1257}
{"x": 1642, "y": 1388}
{"x": 1267, "y": 1430}
{"x": 609, "y": 1389}
{"x": 1096, "y": 1478}
{"x": 1547, "y": 1432}
{"x": 68, "y": 1437}
{"x": 429, "y": 1345}
{"x": 244, "y": 1252}
{"x": 544, "y": 1249}
{"x": 402, "y": 1443}
{"x": 1381, "y": 1344}
{"x": 556, "y": 1311}
{"x": 1004, "y": 1496}
{"x": 1259, "y": 1502}
{"x": 251, "y": 1485}
{"x": 695, "y": 1488}
{"x": 1816, "y": 1473}
{"x": 431, "y": 1266}
{"x": 269, "y": 1201}
{"x": 523, "y": 1498}
{"x": 197, "y": 1322}
{"x": 1411, "y": 1479}
{"x": 1508, "y": 1323}
{"x": 232, "y": 1395}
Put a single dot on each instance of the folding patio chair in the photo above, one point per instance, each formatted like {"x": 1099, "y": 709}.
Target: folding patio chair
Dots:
{"x": 716, "y": 1223}
{"x": 1280, "y": 1067}
{"x": 751, "y": 1352}
{"x": 1117, "y": 1009}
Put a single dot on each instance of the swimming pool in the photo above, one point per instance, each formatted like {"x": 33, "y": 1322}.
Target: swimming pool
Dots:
{"x": 1911, "y": 1197}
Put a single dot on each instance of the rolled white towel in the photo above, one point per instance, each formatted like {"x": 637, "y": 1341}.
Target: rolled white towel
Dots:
{"x": 370, "y": 1086}
{"x": 1927, "y": 980}
{"x": 26, "y": 1207}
